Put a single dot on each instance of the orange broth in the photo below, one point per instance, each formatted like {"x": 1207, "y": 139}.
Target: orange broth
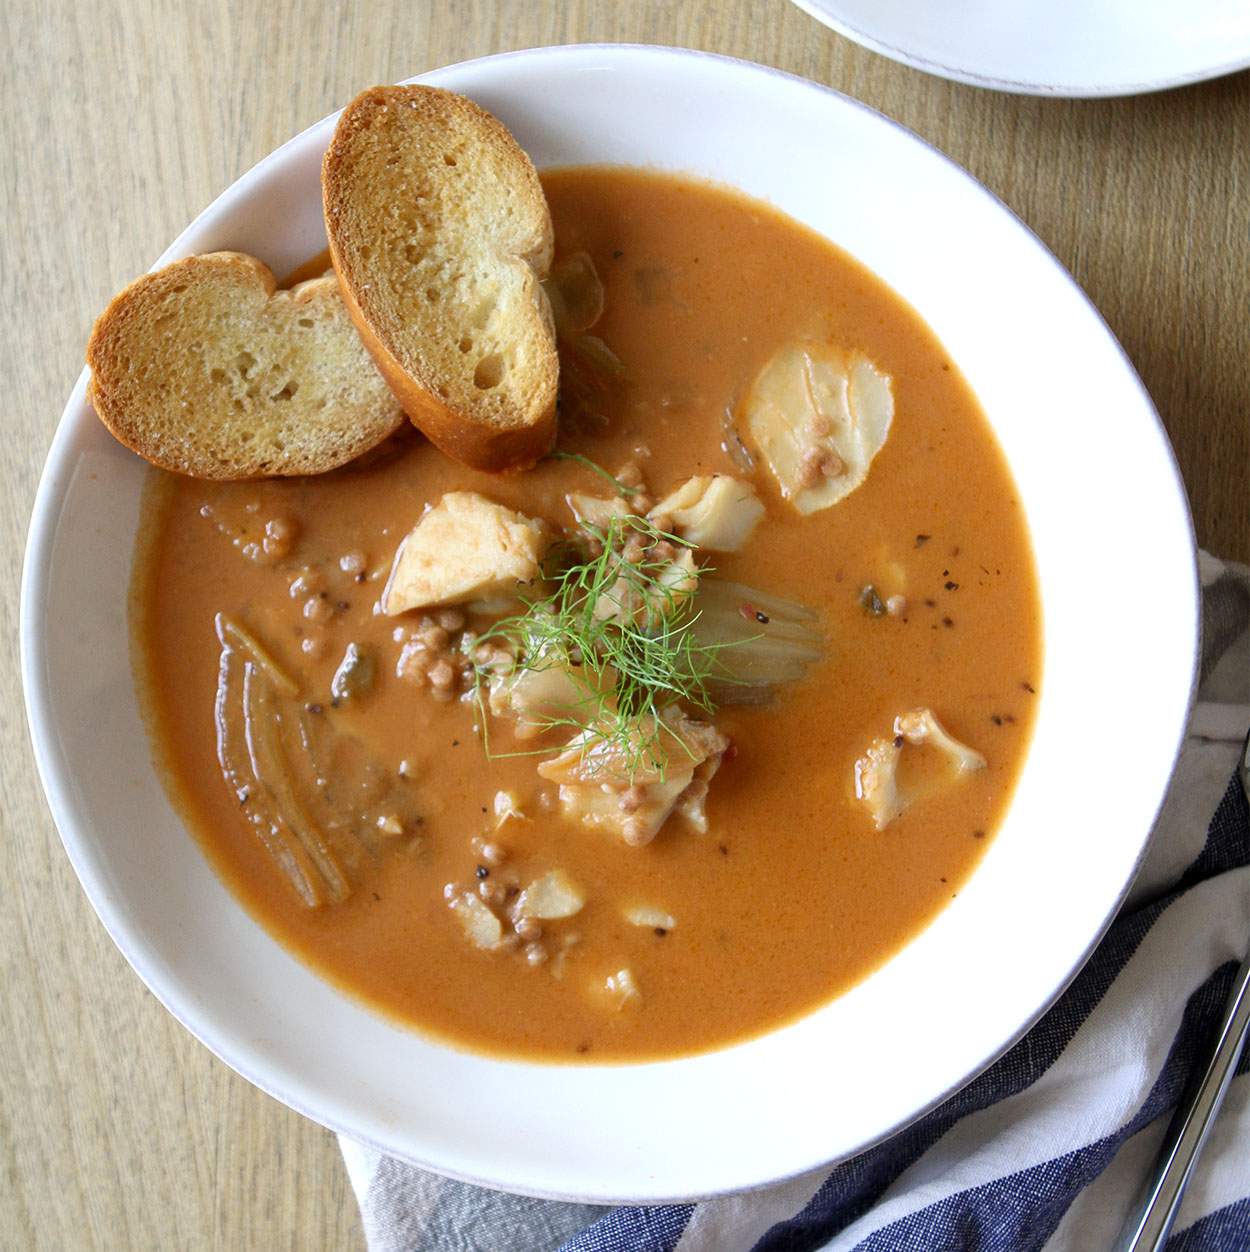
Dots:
{"x": 792, "y": 895}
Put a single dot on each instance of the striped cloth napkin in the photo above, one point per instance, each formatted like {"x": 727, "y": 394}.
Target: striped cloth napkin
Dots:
{"x": 1048, "y": 1147}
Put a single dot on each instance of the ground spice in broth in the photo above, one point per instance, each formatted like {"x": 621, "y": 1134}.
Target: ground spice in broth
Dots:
{"x": 922, "y": 580}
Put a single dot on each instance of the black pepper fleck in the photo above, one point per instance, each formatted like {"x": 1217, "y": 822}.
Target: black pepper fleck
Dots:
{"x": 998, "y": 721}
{"x": 952, "y": 586}
{"x": 898, "y": 741}
{"x": 724, "y": 850}
{"x": 482, "y": 872}
{"x": 978, "y": 834}
{"x": 921, "y": 540}
{"x": 946, "y": 621}
{"x": 659, "y": 930}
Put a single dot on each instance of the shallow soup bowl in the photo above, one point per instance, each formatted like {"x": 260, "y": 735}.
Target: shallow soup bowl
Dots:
{"x": 1106, "y": 510}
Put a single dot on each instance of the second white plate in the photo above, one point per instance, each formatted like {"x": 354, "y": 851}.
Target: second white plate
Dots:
{"x": 1052, "y": 47}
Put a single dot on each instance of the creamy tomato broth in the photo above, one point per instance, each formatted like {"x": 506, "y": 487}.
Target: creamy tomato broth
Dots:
{"x": 368, "y": 785}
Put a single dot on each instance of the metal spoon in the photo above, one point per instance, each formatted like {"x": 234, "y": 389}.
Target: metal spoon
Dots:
{"x": 1151, "y": 1218}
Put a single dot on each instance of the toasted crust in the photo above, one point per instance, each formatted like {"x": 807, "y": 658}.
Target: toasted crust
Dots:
{"x": 204, "y": 368}
{"x": 440, "y": 235}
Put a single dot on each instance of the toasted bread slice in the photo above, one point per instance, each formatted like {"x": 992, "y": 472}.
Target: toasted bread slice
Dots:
{"x": 204, "y": 368}
{"x": 440, "y": 234}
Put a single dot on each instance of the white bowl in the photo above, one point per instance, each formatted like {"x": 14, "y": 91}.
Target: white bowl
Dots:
{"x": 1116, "y": 561}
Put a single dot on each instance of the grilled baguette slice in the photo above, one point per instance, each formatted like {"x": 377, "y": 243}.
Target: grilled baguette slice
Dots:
{"x": 204, "y": 368}
{"x": 440, "y": 234}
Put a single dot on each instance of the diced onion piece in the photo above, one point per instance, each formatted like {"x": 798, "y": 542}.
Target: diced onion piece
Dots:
{"x": 621, "y": 990}
{"x": 507, "y": 806}
{"x": 819, "y": 414}
{"x": 551, "y": 897}
{"x": 649, "y": 918}
{"x": 712, "y": 511}
{"x": 481, "y": 927}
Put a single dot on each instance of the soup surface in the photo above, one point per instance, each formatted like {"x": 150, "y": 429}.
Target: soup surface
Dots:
{"x": 364, "y": 781}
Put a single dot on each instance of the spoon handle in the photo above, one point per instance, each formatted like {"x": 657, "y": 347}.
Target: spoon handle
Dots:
{"x": 1151, "y": 1219}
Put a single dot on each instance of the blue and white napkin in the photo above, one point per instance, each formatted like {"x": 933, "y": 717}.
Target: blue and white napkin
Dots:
{"x": 1046, "y": 1150}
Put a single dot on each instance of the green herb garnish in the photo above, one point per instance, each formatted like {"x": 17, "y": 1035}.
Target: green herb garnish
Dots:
{"x": 620, "y": 620}
{"x": 619, "y": 487}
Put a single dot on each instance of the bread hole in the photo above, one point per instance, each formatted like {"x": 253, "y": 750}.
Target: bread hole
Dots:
{"x": 243, "y": 363}
{"x": 286, "y": 393}
{"x": 466, "y": 344}
{"x": 443, "y": 391}
{"x": 365, "y": 251}
{"x": 448, "y": 159}
{"x": 481, "y": 314}
{"x": 432, "y": 294}
{"x": 217, "y": 375}
{"x": 237, "y": 405}
{"x": 412, "y": 254}
{"x": 490, "y": 371}
{"x": 305, "y": 322}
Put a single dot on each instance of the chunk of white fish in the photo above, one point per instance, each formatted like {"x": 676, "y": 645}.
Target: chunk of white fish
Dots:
{"x": 628, "y": 785}
{"x": 551, "y": 897}
{"x": 481, "y": 926}
{"x": 713, "y": 511}
{"x": 465, "y": 548}
{"x": 876, "y": 772}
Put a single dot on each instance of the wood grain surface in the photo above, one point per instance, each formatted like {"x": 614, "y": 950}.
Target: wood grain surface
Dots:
{"x": 123, "y": 119}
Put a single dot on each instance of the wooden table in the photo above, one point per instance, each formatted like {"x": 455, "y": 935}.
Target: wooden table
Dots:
{"x": 123, "y": 120}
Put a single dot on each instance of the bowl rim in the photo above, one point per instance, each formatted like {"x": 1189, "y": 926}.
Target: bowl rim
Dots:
{"x": 58, "y": 785}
